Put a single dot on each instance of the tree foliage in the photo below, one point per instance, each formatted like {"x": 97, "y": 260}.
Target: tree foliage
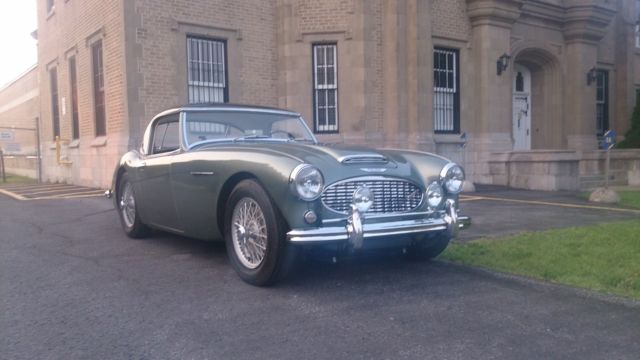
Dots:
{"x": 632, "y": 137}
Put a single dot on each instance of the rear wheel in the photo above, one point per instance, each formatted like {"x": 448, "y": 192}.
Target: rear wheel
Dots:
{"x": 428, "y": 248}
{"x": 255, "y": 235}
{"x": 128, "y": 211}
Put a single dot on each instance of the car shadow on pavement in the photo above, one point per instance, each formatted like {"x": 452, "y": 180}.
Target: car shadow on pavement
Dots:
{"x": 322, "y": 267}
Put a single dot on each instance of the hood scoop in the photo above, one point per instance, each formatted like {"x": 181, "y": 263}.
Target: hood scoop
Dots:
{"x": 363, "y": 159}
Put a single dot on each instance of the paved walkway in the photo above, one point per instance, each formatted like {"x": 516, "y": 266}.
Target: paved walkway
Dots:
{"x": 48, "y": 191}
{"x": 498, "y": 211}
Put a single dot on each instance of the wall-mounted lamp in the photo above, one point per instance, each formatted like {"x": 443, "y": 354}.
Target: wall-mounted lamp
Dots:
{"x": 592, "y": 76}
{"x": 502, "y": 63}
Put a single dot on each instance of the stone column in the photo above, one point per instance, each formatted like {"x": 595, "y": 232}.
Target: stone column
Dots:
{"x": 491, "y": 38}
{"x": 491, "y": 22}
{"x": 394, "y": 59}
{"x": 585, "y": 25}
{"x": 625, "y": 93}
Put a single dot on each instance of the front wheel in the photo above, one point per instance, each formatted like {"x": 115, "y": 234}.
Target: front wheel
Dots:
{"x": 255, "y": 235}
{"x": 429, "y": 247}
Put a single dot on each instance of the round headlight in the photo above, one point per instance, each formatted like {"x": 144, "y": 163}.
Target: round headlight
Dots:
{"x": 434, "y": 195}
{"x": 307, "y": 182}
{"x": 452, "y": 177}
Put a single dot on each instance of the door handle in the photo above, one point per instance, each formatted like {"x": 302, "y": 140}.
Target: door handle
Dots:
{"x": 201, "y": 173}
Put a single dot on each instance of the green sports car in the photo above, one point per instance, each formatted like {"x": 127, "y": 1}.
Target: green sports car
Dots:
{"x": 258, "y": 179}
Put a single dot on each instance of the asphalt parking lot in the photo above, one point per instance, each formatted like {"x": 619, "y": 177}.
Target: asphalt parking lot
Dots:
{"x": 73, "y": 286}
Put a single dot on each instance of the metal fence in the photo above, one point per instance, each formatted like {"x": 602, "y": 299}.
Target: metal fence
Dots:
{"x": 20, "y": 149}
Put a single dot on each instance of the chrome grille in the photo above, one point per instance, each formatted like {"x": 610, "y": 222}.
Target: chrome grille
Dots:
{"x": 390, "y": 195}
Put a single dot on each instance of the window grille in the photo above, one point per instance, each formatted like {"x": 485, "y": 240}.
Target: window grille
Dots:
{"x": 207, "y": 77}
{"x": 446, "y": 94}
{"x": 325, "y": 86}
{"x": 55, "y": 107}
{"x": 98, "y": 89}
{"x": 602, "y": 101}
{"x": 73, "y": 79}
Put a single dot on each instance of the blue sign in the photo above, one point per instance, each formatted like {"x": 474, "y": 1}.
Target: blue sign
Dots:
{"x": 609, "y": 140}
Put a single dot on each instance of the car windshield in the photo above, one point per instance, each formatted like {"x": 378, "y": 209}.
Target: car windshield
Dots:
{"x": 219, "y": 125}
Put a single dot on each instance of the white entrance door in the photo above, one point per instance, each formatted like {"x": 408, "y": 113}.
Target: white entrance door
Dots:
{"x": 521, "y": 108}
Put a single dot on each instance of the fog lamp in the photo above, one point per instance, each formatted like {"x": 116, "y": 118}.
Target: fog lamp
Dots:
{"x": 310, "y": 217}
{"x": 434, "y": 195}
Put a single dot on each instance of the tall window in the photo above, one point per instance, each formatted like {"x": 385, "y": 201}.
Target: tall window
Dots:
{"x": 638, "y": 35}
{"x": 602, "y": 101}
{"x": 73, "y": 79}
{"x": 55, "y": 109}
{"x": 325, "y": 86}
{"x": 207, "y": 70}
{"x": 98, "y": 89}
{"x": 446, "y": 93}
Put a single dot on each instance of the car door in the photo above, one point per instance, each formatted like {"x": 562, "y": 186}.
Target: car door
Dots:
{"x": 155, "y": 193}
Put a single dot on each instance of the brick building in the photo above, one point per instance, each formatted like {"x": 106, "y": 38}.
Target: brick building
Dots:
{"x": 529, "y": 85}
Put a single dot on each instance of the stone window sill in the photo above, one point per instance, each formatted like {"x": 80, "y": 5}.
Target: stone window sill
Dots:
{"x": 74, "y": 144}
{"x": 100, "y": 141}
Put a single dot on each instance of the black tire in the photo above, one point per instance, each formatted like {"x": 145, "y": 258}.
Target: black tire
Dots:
{"x": 428, "y": 248}
{"x": 129, "y": 216}
{"x": 256, "y": 243}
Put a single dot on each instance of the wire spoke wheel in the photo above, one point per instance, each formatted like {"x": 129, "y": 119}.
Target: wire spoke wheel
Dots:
{"x": 127, "y": 205}
{"x": 249, "y": 233}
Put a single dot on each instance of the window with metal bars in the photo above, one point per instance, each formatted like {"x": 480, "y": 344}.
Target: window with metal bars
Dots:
{"x": 98, "y": 89}
{"x": 446, "y": 93}
{"x": 207, "y": 70}
{"x": 325, "y": 88}
{"x": 73, "y": 82}
{"x": 602, "y": 101}
{"x": 55, "y": 108}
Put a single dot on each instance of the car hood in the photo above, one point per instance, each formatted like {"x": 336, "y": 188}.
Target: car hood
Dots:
{"x": 338, "y": 162}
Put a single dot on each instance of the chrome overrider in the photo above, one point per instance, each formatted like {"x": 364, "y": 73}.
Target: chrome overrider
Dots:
{"x": 355, "y": 229}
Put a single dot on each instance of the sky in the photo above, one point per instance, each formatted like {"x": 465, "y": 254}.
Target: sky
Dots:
{"x": 18, "y": 51}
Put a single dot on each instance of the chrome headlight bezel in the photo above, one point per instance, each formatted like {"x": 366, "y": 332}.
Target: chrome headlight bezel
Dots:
{"x": 306, "y": 182}
{"x": 452, "y": 178}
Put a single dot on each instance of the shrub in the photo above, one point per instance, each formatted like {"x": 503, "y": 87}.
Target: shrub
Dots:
{"x": 632, "y": 137}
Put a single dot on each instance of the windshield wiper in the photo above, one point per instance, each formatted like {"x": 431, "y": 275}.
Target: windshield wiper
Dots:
{"x": 248, "y": 137}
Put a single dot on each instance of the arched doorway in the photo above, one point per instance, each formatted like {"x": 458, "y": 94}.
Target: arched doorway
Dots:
{"x": 521, "y": 124}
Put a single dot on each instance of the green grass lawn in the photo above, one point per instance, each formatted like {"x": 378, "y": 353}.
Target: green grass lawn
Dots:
{"x": 16, "y": 179}
{"x": 604, "y": 257}
{"x": 630, "y": 198}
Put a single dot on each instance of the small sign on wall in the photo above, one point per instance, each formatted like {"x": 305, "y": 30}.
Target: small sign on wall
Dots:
{"x": 12, "y": 147}
{"x": 6, "y": 136}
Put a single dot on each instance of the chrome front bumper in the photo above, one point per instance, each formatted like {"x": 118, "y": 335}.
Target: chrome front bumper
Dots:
{"x": 355, "y": 231}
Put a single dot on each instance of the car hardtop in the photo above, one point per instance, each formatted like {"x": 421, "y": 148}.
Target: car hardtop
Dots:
{"x": 225, "y": 107}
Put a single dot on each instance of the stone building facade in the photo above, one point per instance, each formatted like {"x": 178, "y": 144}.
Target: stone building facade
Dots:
{"x": 519, "y": 91}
